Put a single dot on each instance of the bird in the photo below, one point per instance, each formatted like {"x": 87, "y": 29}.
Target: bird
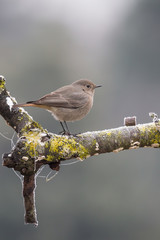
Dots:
{"x": 67, "y": 104}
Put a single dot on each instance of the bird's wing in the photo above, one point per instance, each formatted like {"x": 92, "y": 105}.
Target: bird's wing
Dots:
{"x": 63, "y": 98}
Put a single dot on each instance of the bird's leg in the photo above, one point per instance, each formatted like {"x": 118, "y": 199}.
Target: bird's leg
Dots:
{"x": 68, "y": 132}
{"x": 64, "y": 131}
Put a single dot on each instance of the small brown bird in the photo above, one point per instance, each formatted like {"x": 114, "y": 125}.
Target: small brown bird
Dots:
{"x": 67, "y": 104}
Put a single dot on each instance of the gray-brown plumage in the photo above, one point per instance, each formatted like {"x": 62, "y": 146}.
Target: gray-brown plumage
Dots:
{"x": 67, "y": 104}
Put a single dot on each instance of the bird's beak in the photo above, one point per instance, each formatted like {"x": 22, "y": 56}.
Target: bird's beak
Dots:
{"x": 98, "y": 86}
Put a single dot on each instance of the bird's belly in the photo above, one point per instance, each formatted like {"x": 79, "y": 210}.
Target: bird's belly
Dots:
{"x": 70, "y": 115}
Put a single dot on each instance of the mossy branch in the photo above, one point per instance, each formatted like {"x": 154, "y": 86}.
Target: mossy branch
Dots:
{"x": 36, "y": 147}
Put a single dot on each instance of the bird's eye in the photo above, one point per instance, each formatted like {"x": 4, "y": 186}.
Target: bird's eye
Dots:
{"x": 88, "y": 86}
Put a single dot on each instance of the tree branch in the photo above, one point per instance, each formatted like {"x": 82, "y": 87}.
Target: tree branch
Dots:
{"x": 29, "y": 185}
{"x": 36, "y": 147}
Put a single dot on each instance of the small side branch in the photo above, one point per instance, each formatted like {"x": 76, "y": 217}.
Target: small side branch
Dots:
{"x": 29, "y": 185}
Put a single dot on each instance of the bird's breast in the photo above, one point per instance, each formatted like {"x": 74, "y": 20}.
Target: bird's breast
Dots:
{"x": 72, "y": 114}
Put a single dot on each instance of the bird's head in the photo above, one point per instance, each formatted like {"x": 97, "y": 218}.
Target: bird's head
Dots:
{"x": 86, "y": 85}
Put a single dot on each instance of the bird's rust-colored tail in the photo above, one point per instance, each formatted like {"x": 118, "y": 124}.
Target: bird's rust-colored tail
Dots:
{"x": 25, "y": 105}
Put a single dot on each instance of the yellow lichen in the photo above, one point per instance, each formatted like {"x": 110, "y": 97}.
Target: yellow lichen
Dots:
{"x": 2, "y": 84}
{"x": 64, "y": 147}
{"x": 109, "y": 134}
{"x": 150, "y": 133}
{"x": 59, "y": 147}
{"x": 30, "y": 124}
{"x": 33, "y": 139}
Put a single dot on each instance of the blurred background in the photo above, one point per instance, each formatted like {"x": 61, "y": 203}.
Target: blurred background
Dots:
{"x": 47, "y": 44}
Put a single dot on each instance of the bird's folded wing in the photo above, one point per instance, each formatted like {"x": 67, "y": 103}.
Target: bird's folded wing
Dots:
{"x": 72, "y": 101}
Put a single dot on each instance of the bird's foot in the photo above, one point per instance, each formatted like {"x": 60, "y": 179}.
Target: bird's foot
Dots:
{"x": 65, "y": 133}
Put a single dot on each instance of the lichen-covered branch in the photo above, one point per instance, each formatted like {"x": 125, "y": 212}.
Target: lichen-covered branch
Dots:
{"x": 36, "y": 147}
{"x": 45, "y": 149}
{"x": 18, "y": 119}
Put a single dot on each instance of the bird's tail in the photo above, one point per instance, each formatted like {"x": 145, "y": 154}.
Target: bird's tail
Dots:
{"x": 27, "y": 104}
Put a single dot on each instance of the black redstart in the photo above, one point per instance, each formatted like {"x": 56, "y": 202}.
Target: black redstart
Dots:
{"x": 67, "y": 104}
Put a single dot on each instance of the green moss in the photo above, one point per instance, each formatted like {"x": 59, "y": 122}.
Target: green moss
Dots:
{"x": 58, "y": 147}
{"x": 150, "y": 133}
{"x": 30, "y": 125}
{"x": 20, "y": 118}
{"x": 63, "y": 147}
{"x": 155, "y": 137}
{"x": 2, "y": 83}
{"x": 33, "y": 140}
{"x": 94, "y": 143}
{"x": 109, "y": 134}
